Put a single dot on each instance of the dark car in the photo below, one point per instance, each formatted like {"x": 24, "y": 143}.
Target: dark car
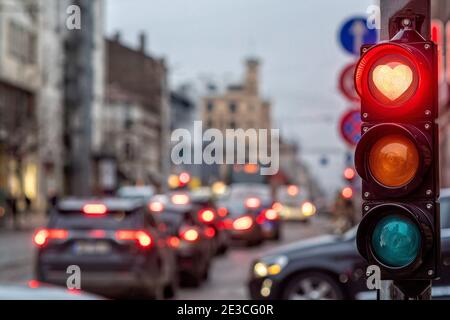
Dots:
{"x": 212, "y": 216}
{"x": 252, "y": 201}
{"x": 116, "y": 243}
{"x": 330, "y": 267}
{"x": 189, "y": 237}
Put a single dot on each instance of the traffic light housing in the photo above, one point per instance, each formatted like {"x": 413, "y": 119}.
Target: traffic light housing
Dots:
{"x": 397, "y": 157}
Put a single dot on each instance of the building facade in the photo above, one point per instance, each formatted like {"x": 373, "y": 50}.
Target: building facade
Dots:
{"x": 241, "y": 106}
{"x": 135, "y": 120}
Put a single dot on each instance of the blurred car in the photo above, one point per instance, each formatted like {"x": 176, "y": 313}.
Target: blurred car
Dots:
{"x": 330, "y": 267}
{"x": 188, "y": 236}
{"x": 293, "y": 204}
{"x": 143, "y": 193}
{"x": 258, "y": 203}
{"x": 209, "y": 214}
{"x": 39, "y": 291}
{"x": 116, "y": 243}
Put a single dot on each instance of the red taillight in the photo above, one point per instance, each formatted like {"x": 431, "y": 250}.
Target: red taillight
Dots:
{"x": 97, "y": 233}
{"x": 222, "y": 212}
{"x": 190, "y": 235}
{"x": 180, "y": 199}
{"x": 42, "y": 236}
{"x": 34, "y": 284}
{"x": 206, "y": 215}
{"x": 243, "y": 223}
{"x": 141, "y": 237}
{"x": 210, "y": 232}
{"x": 277, "y": 206}
{"x": 252, "y": 203}
{"x": 173, "y": 242}
{"x": 94, "y": 209}
{"x": 156, "y": 206}
{"x": 271, "y": 214}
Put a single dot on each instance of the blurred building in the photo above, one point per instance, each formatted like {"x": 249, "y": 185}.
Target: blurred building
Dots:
{"x": 241, "y": 106}
{"x": 440, "y": 9}
{"x": 30, "y": 98}
{"x": 134, "y": 123}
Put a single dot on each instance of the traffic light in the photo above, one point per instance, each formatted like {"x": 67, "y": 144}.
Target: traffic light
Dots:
{"x": 397, "y": 157}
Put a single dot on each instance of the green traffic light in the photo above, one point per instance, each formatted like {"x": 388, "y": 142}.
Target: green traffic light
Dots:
{"x": 396, "y": 241}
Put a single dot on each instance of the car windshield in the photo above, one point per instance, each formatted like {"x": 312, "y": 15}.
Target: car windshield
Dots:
{"x": 136, "y": 192}
{"x": 242, "y": 191}
{"x": 290, "y": 200}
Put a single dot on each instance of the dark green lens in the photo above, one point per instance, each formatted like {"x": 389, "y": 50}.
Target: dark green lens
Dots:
{"x": 396, "y": 241}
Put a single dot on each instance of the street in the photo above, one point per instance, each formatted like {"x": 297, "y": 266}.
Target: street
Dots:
{"x": 228, "y": 274}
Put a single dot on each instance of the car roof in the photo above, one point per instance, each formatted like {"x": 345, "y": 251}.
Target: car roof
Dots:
{"x": 115, "y": 204}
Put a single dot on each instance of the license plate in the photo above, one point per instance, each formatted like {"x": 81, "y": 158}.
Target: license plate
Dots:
{"x": 91, "y": 248}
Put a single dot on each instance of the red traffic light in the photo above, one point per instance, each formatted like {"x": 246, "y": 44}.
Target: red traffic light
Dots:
{"x": 347, "y": 193}
{"x": 394, "y": 80}
{"x": 349, "y": 173}
{"x": 184, "y": 178}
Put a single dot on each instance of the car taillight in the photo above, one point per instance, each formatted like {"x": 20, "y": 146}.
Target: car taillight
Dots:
{"x": 190, "y": 235}
{"x": 94, "y": 209}
{"x": 243, "y": 223}
{"x": 210, "y": 232}
{"x": 42, "y": 236}
{"x": 180, "y": 199}
{"x": 222, "y": 212}
{"x": 173, "y": 242}
{"x": 156, "y": 206}
{"x": 252, "y": 203}
{"x": 277, "y": 206}
{"x": 270, "y": 214}
{"x": 141, "y": 237}
{"x": 206, "y": 215}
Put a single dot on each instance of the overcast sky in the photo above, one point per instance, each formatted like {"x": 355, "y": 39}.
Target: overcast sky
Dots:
{"x": 295, "y": 39}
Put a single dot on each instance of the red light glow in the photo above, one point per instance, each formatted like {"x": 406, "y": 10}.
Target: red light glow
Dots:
{"x": 42, "y": 236}
{"x": 222, "y": 212}
{"x": 347, "y": 193}
{"x": 94, "y": 209}
{"x": 349, "y": 173}
{"x": 252, "y": 203}
{"x": 292, "y": 190}
{"x": 156, "y": 206}
{"x": 207, "y": 215}
{"x": 180, "y": 199}
{"x": 271, "y": 215}
{"x": 190, "y": 235}
{"x": 141, "y": 237}
{"x": 243, "y": 223}
{"x": 210, "y": 232}
{"x": 184, "y": 178}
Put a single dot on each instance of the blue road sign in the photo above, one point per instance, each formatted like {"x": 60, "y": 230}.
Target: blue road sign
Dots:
{"x": 354, "y": 33}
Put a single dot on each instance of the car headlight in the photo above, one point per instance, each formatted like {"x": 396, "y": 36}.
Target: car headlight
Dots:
{"x": 270, "y": 266}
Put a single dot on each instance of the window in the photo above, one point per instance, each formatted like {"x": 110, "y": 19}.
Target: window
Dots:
{"x": 233, "y": 107}
{"x": 210, "y": 106}
{"x": 22, "y": 43}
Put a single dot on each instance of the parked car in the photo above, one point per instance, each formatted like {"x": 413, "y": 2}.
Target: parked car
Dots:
{"x": 208, "y": 213}
{"x": 257, "y": 201}
{"x": 188, "y": 236}
{"x": 330, "y": 267}
{"x": 116, "y": 243}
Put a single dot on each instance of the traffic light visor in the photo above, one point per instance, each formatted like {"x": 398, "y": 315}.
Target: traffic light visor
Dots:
{"x": 393, "y": 160}
{"x": 396, "y": 241}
